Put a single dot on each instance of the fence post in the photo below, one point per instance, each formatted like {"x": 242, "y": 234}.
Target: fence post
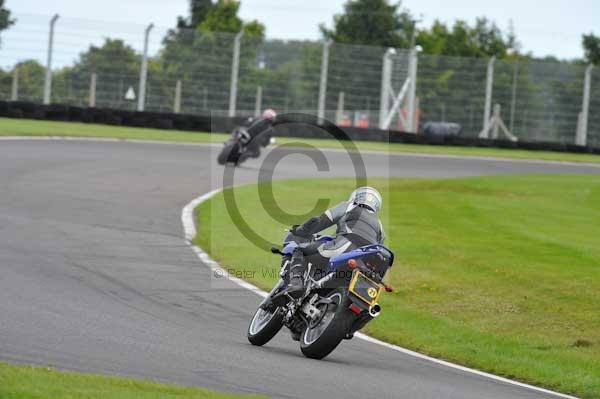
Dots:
{"x": 177, "y": 101}
{"x": 488, "y": 96}
{"x": 581, "y": 137}
{"x": 235, "y": 65}
{"x": 386, "y": 84}
{"x": 14, "y": 92}
{"x": 340, "y": 108}
{"x": 323, "y": 82}
{"x": 579, "y": 126}
{"x": 496, "y": 126}
{"x": 513, "y": 102}
{"x": 258, "y": 101}
{"x": 92, "y": 99}
{"x": 144, "y": 71}
{"x": 412, "y": 92}
{"x": 48, "y": 80}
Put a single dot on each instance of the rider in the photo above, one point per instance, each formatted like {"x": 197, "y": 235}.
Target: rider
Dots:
{"x": 259, "y": 131}
{"x": 357, "y": 223}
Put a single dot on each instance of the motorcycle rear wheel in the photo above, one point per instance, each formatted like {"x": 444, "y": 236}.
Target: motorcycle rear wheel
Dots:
{"x": 320, "y": 339}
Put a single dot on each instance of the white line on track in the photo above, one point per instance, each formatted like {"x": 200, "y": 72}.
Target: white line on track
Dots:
{"x": 189, "y": 227}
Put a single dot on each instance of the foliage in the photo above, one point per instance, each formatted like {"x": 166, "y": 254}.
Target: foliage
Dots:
{"x": 222, "y": 17}
{"x": 591, "y": 46}
{"x": 116, "y": 65}
{"x": 451, "y": 86}
{"x": 372, "y": 22}
{"x": 5, "y": 19}
{"x": 198, "y": 11}
{"x": 31, "y": 80}
{"x": 484, "y": 39}
{"x": 199, "y": 53}
{"x": 112, "y": 58}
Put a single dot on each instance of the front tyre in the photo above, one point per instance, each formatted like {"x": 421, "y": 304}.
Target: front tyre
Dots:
{"x": 264, "y": 326}
{"x": 321, "y": 337}
{"x": 230, "y": 153}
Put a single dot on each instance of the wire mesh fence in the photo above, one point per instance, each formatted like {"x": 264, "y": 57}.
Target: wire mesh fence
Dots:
{"x": 541, "y": 100}
{"x": 285, "y": 73}
{"x": 452, "y": 89}
{"x": 189, "y": 71}
{"x": 594, "y": 113}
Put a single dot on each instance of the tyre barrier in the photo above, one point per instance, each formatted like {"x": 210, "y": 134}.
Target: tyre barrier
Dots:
{"x": 304, "y": 127}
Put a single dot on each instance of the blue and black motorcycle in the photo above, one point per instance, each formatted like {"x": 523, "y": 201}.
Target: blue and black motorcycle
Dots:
{"x": 337, "y": 301}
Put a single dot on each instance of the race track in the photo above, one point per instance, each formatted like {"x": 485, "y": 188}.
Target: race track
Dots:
{"x": 95, "y": 275}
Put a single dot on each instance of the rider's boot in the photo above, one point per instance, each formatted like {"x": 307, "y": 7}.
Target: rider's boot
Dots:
{"x": 295, "y": 287}
{"x": 295, "y": 335}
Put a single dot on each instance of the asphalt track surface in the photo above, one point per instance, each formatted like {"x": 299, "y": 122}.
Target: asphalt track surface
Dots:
{"x": 95, "y": 275}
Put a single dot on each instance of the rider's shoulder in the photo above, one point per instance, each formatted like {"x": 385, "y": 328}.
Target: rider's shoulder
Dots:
{"x": 339, "y": 210}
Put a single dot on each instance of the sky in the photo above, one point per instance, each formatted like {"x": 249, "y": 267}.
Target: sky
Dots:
{"x": 551, "y": 27}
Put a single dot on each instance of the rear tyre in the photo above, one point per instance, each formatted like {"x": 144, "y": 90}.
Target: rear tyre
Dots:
{"x": 321, "y": 338}
{"x": 264, "y": 326}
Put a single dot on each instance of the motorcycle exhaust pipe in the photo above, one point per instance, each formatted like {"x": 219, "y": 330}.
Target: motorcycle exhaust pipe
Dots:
{"x": 374, "y": 310}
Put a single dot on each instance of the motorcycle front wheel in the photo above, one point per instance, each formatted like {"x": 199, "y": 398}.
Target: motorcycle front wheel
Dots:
{"x": 264, "y": 326}
{"x": 229, "y": 153}
{"x": 321, "y": 337}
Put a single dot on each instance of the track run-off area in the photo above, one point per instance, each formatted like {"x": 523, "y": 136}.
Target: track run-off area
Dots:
{"x": 96, "y": 274}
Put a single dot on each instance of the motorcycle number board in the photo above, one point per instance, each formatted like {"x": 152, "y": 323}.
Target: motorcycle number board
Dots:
{"x": 365, "y": 288}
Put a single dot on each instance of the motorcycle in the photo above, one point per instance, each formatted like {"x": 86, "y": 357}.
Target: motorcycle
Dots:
{"x": 237, "y": 149}
{"x": 337, "y": 302}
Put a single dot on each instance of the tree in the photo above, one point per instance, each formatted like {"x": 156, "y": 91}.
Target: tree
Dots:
{"x": 591, "y": 46}
{"x": 372, "y": 22}
{"x": 114, "y": 57}
{"x": 377, "y": 24}
{"x": 198, "y": 11}
{"x": 222, "y": 17}
{"x": 201, "y": 56}
{"x": 484, "y": 39}
{"x": 5, "y": 20}
{"x": 116, "y": 65}
{"x": 31, "y": 80}
{"x": 452, "y": 86}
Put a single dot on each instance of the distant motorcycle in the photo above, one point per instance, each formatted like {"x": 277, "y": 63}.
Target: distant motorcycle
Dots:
{"x": 237, "y": 149}
{"x": 337, "y": 301}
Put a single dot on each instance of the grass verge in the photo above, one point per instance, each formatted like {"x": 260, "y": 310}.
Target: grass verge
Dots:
{"x": 32, "y": 382}
{"x": 25, "y": 127}
{"x": 497, "y": 273}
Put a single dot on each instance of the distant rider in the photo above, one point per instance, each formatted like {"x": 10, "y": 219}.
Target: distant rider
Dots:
{"x": 260, "y": 131}
{"x": 357, "y": 223}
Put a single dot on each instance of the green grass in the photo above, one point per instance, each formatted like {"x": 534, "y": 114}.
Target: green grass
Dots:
{"x": 25, "y": 127}
{"x": 30, "y": 382}
{"x": 497, "y": 273}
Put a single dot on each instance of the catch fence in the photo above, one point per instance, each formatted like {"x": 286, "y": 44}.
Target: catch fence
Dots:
{"x": 143, "y": 67}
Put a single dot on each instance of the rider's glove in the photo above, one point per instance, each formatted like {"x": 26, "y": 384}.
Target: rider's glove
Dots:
{"x": 299, "y": 231}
